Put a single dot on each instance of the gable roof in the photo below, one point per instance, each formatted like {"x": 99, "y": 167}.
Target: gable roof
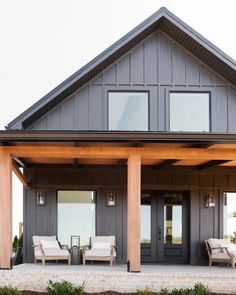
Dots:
{"x": 164, "y": 20}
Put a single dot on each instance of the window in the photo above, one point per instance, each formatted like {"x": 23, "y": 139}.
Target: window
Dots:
{"x": 128, "y": 111}
{"x": 230, "y": 216}
{"x": 146, "y": 218}
{"x": 76, "y": 216}
{"x": 189, "y": 111}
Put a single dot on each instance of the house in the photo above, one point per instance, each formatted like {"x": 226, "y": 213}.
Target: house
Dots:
{"x": 140, "y": 143}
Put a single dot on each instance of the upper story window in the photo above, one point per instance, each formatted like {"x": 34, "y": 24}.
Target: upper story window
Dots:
{"x": 190, "y": 111}
{"x": 128, "y": 111}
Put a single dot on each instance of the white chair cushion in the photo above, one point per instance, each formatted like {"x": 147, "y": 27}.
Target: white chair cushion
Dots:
{"x": 36, "y": 239}
{"x": 56, "y": 252}
{"x": 214, "y": 243}
{"x": 103, "y": 239}
{"x": 101, "y": 245}
{"x": 98, "y": 252}
{"x": 49, "y": 245}
{"x": 221, "y": 255}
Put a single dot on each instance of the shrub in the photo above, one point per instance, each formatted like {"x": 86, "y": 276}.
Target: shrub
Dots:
{"x": 64, "y": 288}
{"x": 20, "y": 242}
{"x": 15, "y": 243}
{"x": 146, "y": 291}
{"x": 6, "y": 290}
{"x": 198, "y": 289}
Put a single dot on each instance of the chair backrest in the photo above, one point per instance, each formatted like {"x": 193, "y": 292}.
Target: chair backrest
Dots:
{"x": 102, "y": 239}
{"x": 37, "y": 239}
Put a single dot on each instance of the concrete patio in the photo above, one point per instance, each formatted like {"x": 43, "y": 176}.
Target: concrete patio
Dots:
{"x": 101, "y": 277}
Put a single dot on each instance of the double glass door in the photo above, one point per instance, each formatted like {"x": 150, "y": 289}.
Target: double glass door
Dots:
{"x": 164, "y": 227}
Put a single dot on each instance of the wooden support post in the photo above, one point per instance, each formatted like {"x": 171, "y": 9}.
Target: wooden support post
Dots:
{"x": 5, "y": 210}
{"x": 133, "y": 210}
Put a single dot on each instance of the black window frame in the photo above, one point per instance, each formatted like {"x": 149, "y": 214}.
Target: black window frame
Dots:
{"x": 189, "y": 91}
{"x": 129, "y": 91}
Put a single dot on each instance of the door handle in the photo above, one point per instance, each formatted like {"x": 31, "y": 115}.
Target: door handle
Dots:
{"x": 159, "y": 232}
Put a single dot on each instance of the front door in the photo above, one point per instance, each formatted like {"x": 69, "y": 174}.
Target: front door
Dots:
{"x": 164, "y": 227}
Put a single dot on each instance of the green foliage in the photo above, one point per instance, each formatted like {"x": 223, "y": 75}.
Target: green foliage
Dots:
{"x": 198, "y": 289}
{"x": 146, "y": 291}
{"x": 15, "y": 243}
{"x": 20, "y": 242}
{"x": 9, "y": 291}
{"x": 64, "y": 288}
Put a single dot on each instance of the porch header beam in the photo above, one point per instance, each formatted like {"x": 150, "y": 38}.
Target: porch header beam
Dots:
{"x": 156, "y": 153}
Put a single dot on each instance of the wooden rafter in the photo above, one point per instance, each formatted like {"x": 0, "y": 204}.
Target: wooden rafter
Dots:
{"x": 211, "y": 164}
{"x": 19, "y": 174}
{"x": 166, "y": 164}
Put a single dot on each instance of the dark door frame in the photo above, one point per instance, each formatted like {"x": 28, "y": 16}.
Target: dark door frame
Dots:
{"x": 154, "y": 251}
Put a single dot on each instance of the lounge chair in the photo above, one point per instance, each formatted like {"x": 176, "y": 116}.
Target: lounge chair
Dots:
{"x": 220, "y": 250}
{"x": 48, "y": 248}
{"x": 102, "y": 248}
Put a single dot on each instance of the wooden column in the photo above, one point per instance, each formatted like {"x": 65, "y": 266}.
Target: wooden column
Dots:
{"x": 5, "y": 210}
{"x": 133, "y": 211}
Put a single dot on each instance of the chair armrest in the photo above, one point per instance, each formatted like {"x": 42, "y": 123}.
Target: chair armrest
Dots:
{"x": 65, "y": 247}
{"x": 40, "y": 248}
{"x": 113, "y": 249}
{"x": 214, "y": 248}
{"x": 85, "y": 248}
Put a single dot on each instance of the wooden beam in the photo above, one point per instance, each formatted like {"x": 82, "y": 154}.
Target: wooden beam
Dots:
{"x": 20, "y": 162}
{"x": 166, "y": 164}
{"x": 133, "y": 212}
{"x": 211, "y": 164}
{"x": 19, "y": 174}
{"x": 5, "y": 210}
{"x": 97, "y": 152}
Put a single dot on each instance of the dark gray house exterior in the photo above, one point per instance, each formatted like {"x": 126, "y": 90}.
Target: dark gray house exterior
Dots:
{"x": 139, "y": 143}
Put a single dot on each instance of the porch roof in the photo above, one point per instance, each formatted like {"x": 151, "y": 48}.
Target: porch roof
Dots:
{"x": 160, "y": 149}
{"x": 11, "y": 137}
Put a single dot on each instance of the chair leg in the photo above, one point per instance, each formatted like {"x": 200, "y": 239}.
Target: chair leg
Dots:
{"x": 69, "y": 260}
{"x": 210, "y": 262}
{"x": 83, "y": 260}
{"x": 111, "y": 261}
{"x": 43, "y": 262}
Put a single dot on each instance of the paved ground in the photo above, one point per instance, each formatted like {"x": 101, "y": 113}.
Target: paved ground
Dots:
{"x": 102, "y": 277}
{"x": 148, "y": 268}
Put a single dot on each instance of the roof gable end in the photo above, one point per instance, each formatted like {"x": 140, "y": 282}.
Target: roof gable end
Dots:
{"x": 163, "y": 19}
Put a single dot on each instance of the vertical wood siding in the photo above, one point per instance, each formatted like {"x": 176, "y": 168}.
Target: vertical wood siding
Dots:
{"x": 157, "y": 64}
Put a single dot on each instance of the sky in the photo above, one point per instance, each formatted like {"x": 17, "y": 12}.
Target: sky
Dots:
{"x": 45, "y": 41}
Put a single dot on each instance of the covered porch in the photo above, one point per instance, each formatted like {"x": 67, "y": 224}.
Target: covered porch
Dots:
{"x": 130, "y": 151}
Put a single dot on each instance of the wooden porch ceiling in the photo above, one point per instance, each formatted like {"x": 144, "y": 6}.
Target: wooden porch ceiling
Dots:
{"x": 160, "y": 155}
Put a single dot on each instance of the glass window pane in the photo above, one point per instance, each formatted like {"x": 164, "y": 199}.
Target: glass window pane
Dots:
{"x": 146, "y": 218}
{"x": 128, "y": 111}
{"x": 76, "y": 216}
{"x": 230, "y": 217}
{"x": 189, "y": 111}
{"x": 173, "y": 219}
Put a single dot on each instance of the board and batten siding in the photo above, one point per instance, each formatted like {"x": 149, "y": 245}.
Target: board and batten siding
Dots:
{"x": 204, "y": 222}
{"x": 157, "y": 64}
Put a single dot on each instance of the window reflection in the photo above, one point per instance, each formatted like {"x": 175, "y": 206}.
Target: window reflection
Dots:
{"x": 146, "y": 218}
{"x": 189, "y": 111}
{"x": 128, "y": 110}
{"x": 76, "y": 215}
{"x": 173, "y": 219}
{"x": 230, "y": 217}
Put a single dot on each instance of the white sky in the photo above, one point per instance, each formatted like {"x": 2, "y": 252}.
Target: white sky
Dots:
{"x": 43, "y": 42}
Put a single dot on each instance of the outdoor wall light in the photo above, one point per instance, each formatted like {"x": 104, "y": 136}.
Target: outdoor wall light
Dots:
{"x": 40, "y": 198}
{"x": 111, "y": 199}
{"x": 210, "y": 200}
